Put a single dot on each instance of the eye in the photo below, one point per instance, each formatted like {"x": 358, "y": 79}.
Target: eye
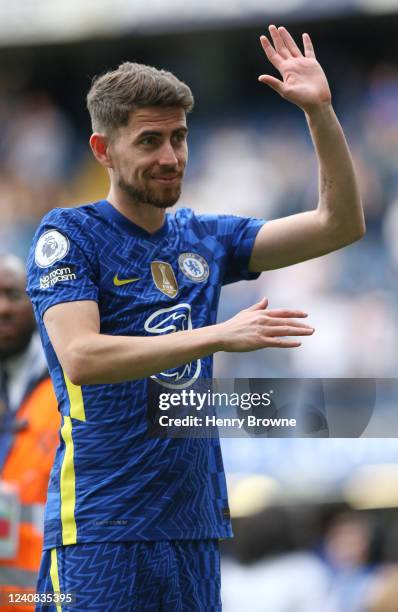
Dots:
{"x": 180, "y": 137}
{"x": 148, "y": 141}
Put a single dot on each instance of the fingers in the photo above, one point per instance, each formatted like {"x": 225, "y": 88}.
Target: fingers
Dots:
{"x": 272, "y": 82}
{"x": 308, "y": 47}
{"x": 270, "y": 52}
{"x": 284, "y": 45}
{"x": 281, "y": 343}
{"x": 261, "y": 305}
{"x": 287, "y": 322}
{"x": 277, "y": 313}
{"x": 278, "y": 41}
{"x": 289, "y": 42}
{"x": 299, "y": 314}
{"x": 287, "y": 330}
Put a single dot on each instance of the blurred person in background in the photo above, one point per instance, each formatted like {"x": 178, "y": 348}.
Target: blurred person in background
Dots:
{"x": 29, "y": 422}
{"x": 103, "y": 281}
{"x": 38, "y": 144}
{"x": 348, "y": 545}
{"x": 37, "y": 156}
{"x": 382, "y": 594}
{"x": 276, "y": 569}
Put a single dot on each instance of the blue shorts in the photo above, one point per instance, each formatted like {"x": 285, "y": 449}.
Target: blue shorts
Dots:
{"x": 166, "y": 576}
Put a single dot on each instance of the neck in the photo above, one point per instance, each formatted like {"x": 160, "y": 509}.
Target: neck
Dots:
{"x": 147, "y": 216}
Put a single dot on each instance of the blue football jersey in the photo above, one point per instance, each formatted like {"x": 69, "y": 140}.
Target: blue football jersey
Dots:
{"x": 110, "y": 480}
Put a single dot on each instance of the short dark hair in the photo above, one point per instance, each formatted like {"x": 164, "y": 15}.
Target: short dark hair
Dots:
{"x": 114, "y": 95}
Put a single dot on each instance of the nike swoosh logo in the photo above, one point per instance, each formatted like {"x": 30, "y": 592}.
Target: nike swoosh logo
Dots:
{"x": 118, "y": 282}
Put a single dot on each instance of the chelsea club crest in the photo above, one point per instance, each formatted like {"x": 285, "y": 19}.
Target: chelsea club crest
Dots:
{"x": 194, "y": 266}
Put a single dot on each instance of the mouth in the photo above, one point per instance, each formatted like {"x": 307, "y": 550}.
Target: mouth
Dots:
{"x": 7, "y": 329}
{"x": 166, "y": 180}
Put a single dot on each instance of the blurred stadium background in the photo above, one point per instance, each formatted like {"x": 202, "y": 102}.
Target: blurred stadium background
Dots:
{"x": 315, "y": 519}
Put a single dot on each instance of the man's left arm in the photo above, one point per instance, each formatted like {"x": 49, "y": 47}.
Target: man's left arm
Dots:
{"x": 338, "y": 219}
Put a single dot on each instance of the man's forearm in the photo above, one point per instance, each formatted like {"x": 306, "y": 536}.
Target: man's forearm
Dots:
{"x": 99, "y": 358}
{"x": 339, "y": 199}
{"x": 88, "y": 357}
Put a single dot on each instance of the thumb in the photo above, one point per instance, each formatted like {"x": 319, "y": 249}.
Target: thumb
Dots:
{"x": 274, "y": 83}
{"x": 261, "y": 305}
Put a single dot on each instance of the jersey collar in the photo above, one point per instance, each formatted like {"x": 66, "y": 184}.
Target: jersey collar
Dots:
{"x": 108, "y": 211}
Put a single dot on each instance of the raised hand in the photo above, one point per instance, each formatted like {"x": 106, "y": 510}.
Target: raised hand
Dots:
{"x": 256, "y": 327}
{"x": 304, "y": 82}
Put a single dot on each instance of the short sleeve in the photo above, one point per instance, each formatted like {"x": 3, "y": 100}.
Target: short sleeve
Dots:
{"x": 62, "y": 264}
{"x": 237, "y": 235}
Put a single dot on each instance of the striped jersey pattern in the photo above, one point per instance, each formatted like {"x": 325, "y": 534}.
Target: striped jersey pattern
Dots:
{"x": 110, "y": 480}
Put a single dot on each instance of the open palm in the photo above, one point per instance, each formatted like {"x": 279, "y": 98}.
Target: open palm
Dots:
{"x": 304, "y": 82}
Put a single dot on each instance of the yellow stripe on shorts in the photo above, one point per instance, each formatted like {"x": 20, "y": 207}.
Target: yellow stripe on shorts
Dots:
{"x": 54, "y": 576}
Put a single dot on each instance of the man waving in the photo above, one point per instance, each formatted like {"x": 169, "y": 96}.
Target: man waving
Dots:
{"x": 133, "y": 522}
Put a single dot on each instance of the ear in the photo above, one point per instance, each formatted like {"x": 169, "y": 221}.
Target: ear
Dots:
{"x": 100, "y": 147}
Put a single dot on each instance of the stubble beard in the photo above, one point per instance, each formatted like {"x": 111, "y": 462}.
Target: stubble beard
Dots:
{"x": 147, "y": 196}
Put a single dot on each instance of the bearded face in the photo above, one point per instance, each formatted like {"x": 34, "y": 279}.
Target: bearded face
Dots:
{"x": 149, "y": 156}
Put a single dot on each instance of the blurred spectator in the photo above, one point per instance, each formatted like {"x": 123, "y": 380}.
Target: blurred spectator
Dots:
{"x": 29, "y": 422}
{"x": 347, "y": 549}
{"x": 277, "y": 571}
{"x": 297, "y": 582}
{"x": 36, "y": 162}
{"x": 38, "y": 142}
{"x": 383, "y": 593}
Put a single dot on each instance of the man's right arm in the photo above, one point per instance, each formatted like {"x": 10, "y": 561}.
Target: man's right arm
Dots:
{"x": 89, "y": 357}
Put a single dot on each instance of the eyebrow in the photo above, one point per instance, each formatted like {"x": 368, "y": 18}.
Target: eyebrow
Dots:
{"x": 156, "y": 133}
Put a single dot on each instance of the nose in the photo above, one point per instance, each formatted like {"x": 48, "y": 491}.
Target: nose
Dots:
{"x": 167, "y": 155}
{"x": 5, "y": 305}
